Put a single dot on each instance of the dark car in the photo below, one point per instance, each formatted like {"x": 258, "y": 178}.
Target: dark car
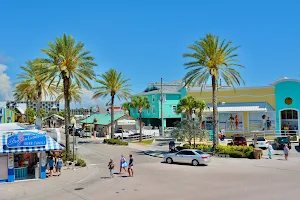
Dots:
{"x": 281, "y": 141}
{"x": 239, "y": 140}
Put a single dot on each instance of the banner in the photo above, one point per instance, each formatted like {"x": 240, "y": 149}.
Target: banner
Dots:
{"x": 231, "y": 121}
{"x": 262, "y": 121}
{"x": 26, "y": 140}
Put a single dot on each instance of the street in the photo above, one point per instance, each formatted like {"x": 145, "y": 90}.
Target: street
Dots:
{"x": 223, "y": 178}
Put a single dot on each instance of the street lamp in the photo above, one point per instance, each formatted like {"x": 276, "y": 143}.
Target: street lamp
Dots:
{"x": 73, "y": 122}
{"x": 193, "y": 117}
{"x": 95, "y": 121}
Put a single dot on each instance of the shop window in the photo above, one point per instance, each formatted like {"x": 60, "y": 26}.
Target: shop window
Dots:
{"x": 153, "y": 110}
{"x": 174, "y": 109}
{"x": 288, "y": 101}
{"x": 153, "y": 98}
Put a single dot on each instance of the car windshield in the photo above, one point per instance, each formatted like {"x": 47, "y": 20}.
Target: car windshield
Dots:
{"x": 261, "y": 139}
{"x": 199, "y": 152}
{"x": 239, "y": 138}
{"x": 283, "y": 139}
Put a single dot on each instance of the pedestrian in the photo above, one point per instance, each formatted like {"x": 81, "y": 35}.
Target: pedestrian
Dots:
{"x": 123, "y": 164}
{"x": 286, "y": 151}
{"x": 130, "y": 166}
{"x": 270, "y": 151}
{"x": 111, "y": 167}
{"x": 51, "y": 164}
{"x": 59, "y": 166}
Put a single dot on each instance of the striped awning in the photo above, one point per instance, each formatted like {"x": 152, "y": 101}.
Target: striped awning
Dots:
{"x": 51, "y": 145}
{"x": 242, "y": 107}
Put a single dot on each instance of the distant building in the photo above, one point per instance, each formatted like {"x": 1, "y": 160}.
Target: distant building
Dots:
{"x": 47, "y": 105}
{"x": 81, "y": 111}
{"x": 6, "y": 115}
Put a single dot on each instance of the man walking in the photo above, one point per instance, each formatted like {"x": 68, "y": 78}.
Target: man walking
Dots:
{"x": 130, "y": 166}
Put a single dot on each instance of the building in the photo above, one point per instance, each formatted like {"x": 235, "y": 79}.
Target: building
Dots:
{"x": 81, "y": 111}
{"x": 47, "y": 105}
{"x": 6, "y": 115}
{"x": 273, "y": 108}
{"x": 171, "y": 96}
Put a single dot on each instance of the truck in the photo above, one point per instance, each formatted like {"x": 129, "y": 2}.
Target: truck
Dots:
{"x": 121, "y": 133}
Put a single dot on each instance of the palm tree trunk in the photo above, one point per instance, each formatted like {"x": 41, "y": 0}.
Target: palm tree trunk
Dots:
{"x": 39, "y": 89}
{"x": 215, "y": 112}
{"x": 67, "y": 115}
{"x": 27, "y": 106}
{"x": 140, "y": 126}
{"x": 112, "y": 115}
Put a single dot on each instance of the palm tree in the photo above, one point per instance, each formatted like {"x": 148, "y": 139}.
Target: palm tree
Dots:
{"x": 113, "y": 84}
{"x": 74, "y": 94}
{"x": 31, "y": 73}
{"x": 216, "y": 59}
{"x": 200, "y": 106}
{"x": 25, "y": 91}
{"x": 126, "y": 107}
{"x": 140, "y": 102}
{"x": 66, "y": 62}
{"x": 187, "y": 105}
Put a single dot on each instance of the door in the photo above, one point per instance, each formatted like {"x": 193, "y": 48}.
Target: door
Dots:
{"x": 185, "y": 156}
{"x": 289, "y": 121}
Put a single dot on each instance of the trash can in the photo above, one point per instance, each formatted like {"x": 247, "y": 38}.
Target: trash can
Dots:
{"x": 257, "y": 153}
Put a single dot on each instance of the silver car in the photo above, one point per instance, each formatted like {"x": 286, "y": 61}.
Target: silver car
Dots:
{"x": 192, "y": 156}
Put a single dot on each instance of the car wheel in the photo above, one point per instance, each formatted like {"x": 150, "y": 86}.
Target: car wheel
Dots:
{"x": 169, "y": 160}
{"x": 118, "y": 137}
{"x": 195, "y": 163}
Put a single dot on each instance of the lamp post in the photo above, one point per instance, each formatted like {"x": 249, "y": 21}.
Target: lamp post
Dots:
{"x": 193, "y": 117}
{"x": 73, "y": 122}
{"x": 95, "y": 121}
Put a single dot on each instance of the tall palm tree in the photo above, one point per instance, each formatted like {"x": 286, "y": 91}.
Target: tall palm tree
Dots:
{"x": 199, "y": 108}
{"x": 140, "y": 102}
{"x": 126, "y": 107}
{"x": 187, "y": 105}
{"x": 31, "y": 72}
{"x": 74, "y": 93}
{"x": 25, "y": 91}
{"x": 112, "y": 83}
{"x": 66, "y": 62}
{"x": 216, "y": 59}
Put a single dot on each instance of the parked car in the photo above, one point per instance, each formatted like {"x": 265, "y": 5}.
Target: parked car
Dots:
{"x": 281, "y": 141}
{"x": 260, "y": 143}
{"x": 122, "y": 133}
{"x": 239, "y": 140}
{"x": 192, "y": 156}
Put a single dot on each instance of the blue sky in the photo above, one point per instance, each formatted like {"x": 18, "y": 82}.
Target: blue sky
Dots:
{"x": 146, "y": 39}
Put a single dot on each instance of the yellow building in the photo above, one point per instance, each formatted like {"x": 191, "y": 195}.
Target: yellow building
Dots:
{"x": 250, "y": 109}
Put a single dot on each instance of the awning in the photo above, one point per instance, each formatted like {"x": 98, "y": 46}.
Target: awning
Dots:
{"x": 242, "y": 107}
{"x": 48, "y": 145}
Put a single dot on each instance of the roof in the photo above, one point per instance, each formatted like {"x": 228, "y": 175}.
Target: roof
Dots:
{"x": 284, "y": 79}
{"x": 102, "y": 119}
{"x": 20, "y": 110}
{"x": 167, "y": 88}
{"x": 56, "y": 116}
{"x": 11, "y": 127}
{"x": 242, "y": 107}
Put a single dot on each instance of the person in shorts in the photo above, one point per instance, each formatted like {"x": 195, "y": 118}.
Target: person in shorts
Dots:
{"x": 286, "y": 151}
{"x": 111, "y": 167}
{"x": 58, "y": 166}
{"x": 51, "y": 164}
{"x": 130, "y": 166}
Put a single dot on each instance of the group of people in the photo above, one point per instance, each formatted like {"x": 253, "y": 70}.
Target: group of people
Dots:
{"x": 234, "y": 120}
{"x": 266, "y": 123}
{"x": 54, "y": 165}
{"x": 123, "y": 166}
{"x": 285, "y": 151}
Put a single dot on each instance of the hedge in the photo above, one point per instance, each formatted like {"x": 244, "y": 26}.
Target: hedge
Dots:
{"x": 115, "y": 141}
{"x": 232, "y": 151}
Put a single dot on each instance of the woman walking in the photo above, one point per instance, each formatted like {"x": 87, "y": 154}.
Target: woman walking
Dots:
{"x": 286, "y": 151}
{"x": 130, "y": 166}
{"x": 59, "y": 164}
{"x": 123, "y": 164}
{"x": 111, "y": 167}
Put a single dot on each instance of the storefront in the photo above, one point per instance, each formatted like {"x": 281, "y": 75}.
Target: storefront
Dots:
{"x": 23, "y": 155}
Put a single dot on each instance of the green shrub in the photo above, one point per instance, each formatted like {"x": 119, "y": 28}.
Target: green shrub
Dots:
{"x": 81, "y": 162}
{"x": 115, "y": 142}
{"x": 64, "y": 155}
{"x": 235, "y": 151}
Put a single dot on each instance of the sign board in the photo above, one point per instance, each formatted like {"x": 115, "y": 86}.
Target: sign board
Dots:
{"x": 126, "y": 122}
{"x": 26, "y": 140}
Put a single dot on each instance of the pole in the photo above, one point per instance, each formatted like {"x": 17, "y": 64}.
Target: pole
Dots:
{"x": 161, "y": 107}
{"x": 73, "y": 143}
{"x": 194, "y": 133}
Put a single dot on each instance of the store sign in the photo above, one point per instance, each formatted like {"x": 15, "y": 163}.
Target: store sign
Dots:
{"x": 26, "y": 140}
{"x": 126, "y": 122}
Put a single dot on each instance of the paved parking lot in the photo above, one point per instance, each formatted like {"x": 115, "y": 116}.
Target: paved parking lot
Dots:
{"x": 223, "y": 178}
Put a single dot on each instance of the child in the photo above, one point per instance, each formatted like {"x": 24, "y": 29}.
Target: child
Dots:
{"x": 58, "y": 166}
{"x": 111, "y": 167}
{"x": 286, "y": 151}
{"x": 270, "y": 149}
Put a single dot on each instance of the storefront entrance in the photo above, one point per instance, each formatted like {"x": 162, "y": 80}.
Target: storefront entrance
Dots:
{"x": 289, "y": 121}
{"x": 26, "y": 166}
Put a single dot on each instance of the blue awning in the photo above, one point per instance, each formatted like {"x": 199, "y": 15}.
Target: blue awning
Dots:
{"x": 50, "y": 145}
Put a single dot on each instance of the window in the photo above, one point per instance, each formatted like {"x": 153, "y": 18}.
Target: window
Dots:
{"x": 288, "y": 101}
{"x": 148, "y": 110}
{"x": 153, "y": 110}
{"x": 289, "y": 114}
{"x": 188, "y": 153}
{"x": 199, "y": 152}
{"x": 174, "y": 109}
{"x": 153, "y": 98}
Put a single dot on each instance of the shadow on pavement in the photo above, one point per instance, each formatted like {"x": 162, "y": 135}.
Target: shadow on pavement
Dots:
{"x": 105, "y": 177}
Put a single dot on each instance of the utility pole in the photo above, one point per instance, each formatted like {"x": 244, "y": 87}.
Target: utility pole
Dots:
{"x": 161, "y": 107}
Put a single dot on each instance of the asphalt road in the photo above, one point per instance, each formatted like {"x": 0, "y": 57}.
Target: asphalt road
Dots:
{"x": 223, "y": 178}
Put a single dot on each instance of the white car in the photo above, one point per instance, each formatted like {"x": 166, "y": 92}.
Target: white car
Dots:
{"x": 192, "y": 156}
{"x": 119, "y": 134}
{"x": 261, "y": 143}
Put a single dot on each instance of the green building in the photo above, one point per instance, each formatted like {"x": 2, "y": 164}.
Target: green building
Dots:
{"x": 6, "y": 115}
{"x": 171, "y": 96}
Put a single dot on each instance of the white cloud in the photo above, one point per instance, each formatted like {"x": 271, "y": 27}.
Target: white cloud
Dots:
{"x": 5, "y": 84}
